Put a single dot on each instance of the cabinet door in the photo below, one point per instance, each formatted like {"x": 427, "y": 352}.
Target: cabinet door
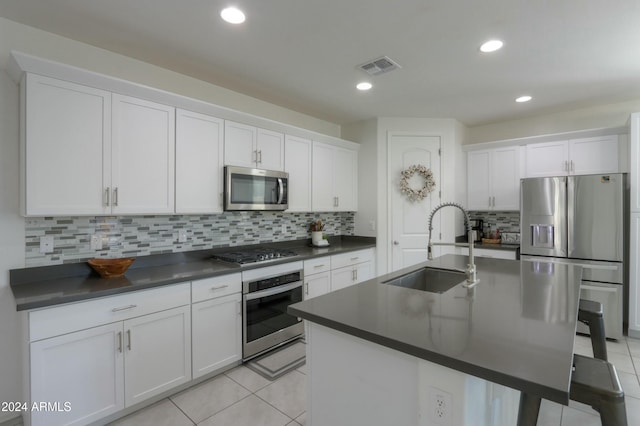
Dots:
{"x": 157, "y": 353}
{"x": 594, "y": 155}
{"x": 85, "y": 369}
{"x": 634, "y": 274}
{"x": 634, "y": 166}
{"x": 297, "y": 162}
{"x": 66, "y": 141}
{"x": 270, "y": 147}
{"x": 317, "y": 284}
{"x": 322, "y": 178}
{"x": 217, "y": 333}
{"x": 505, "y": 178}
{"x": 547, "y": 159}
{"x": 143, "y": 152}
{"x": 478, "y": 166}
{"x": 364, "y": 272}
{"x": 199, "y": 163}
{"x": 239, "y": 144}
{"x": 345, "y": 179}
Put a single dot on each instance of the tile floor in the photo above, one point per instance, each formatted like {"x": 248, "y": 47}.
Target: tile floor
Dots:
{"x": 241, "y": 397}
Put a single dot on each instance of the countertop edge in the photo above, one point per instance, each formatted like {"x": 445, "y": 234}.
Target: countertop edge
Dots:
{"x": 79, "y": 270}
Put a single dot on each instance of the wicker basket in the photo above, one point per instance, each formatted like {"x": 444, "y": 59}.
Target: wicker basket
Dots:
{"x": 111, "y": 268}
{"x": 491, "y": 241}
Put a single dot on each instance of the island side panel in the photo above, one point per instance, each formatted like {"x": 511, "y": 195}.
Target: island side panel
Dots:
{"x": 354, "y": 381}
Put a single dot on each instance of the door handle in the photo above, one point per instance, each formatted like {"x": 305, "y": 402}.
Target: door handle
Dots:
{"x": 129, "y": 339}
{"x": 115, "y": 197}
{"x": 123, "y": 308}
{"x": 306, "y": 288}
{"x": 120, "y": 341}
{"x": 106, "y": 196}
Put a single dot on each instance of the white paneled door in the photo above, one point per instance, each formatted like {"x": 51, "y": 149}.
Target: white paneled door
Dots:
{"x": 408, "y": 220}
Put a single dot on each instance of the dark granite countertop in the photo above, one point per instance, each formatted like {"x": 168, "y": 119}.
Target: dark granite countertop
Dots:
{"x": 45, "y": 286}
{"x": 515, "y": 328}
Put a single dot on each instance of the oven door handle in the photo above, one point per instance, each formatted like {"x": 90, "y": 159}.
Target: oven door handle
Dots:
{"x": 273, "y": 291}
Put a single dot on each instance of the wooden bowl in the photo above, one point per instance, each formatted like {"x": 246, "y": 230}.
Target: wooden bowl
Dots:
{"x": 111, "y": 268}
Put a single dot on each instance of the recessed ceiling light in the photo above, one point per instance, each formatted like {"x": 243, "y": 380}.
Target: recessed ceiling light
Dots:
{"x": 525, "y": 98}
{"x": 232, "y": 15}
{"x": 491, "y": 46}
{"x": 364, "y": 86}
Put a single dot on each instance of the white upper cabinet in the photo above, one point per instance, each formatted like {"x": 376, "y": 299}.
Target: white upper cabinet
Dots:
{"x": 65, "y": 147}
{"x": 143, "y": 152}
{"x": 547, "y": 159}
{"x": 248, "y": 146}
{"x": 91, "y": 152}
{"x": 573, "y": 157}
{"x": 493, "y": 179}
{"x": 199, "y": 162}
{"x": 297, "y": 162}
{"x": 334, "y": 181}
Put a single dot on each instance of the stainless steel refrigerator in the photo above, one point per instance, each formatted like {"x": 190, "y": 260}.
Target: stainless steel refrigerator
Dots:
{"x": 582, "y": 220}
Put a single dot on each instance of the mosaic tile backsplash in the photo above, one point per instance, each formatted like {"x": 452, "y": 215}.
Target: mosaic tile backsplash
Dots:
{"x": 132, "y": 236}
{"x": 504, "y": 221}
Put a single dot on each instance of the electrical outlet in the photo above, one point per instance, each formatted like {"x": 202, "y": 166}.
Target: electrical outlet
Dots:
{"x": 46, "y": 244}
{"x": 440, "y": 406}
{"x": 96, "y": 242}
{"x": 182, "y": 236}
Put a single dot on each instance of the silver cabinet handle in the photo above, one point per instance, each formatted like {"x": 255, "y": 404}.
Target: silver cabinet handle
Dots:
{"x": 337, "y": 201}
{"x": 120, "y": 341}
{"x": 220, "y": 287}
{"x": 115, "y": 196}
{"x": 355, "y": 258}
{"x": 260, "y": 156}
{"x": 319, "y": 266}
{"x": 395, "y": 243}
{"x": 306, "y": 288}
{"x": 493, "y": 201}
{"x": 239, "y": 308}
{"x": 254, "y": 156}
{"x": 489, "y": 201}
{"x": 356, "y": 273}
{"x": 123, "y": 308}
{"x": 573, "y": 169}
{"x": 129, "y": 339}
{"x": 106, "y": 196}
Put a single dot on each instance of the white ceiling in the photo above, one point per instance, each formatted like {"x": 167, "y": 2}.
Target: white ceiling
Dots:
{"x": 302, "y": 54}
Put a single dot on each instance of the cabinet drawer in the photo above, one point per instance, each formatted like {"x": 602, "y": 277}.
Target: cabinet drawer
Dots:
{"x": 58, "y": 320}
{"x": 210, "y": 288}
{"x": 315, "y": 266}
{"x": 351, "y": 258}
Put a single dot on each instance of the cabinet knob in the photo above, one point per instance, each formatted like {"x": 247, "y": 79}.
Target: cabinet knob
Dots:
{"x": 396, "y": 243}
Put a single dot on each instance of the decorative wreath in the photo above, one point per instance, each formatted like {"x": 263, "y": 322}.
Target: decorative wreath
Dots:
{"x": 417, "y": 194}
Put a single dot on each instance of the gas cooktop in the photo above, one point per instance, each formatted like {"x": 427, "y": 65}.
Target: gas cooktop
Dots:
{"x": 256, "y": 255}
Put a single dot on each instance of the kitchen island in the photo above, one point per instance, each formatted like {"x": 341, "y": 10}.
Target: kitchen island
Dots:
{"x": 383, "y": 354}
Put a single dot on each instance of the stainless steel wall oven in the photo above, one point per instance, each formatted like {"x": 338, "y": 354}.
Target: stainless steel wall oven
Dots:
{"x": 266, "y": 294}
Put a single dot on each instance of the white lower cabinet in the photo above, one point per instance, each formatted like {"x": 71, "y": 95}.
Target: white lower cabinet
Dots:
{"x": 216, "y": 323}
{"x": 84, "y": 369}
{"x": 634, "y": 275}
{"x": 157, "y": 350}
{"x": 351, "y": 268}
{"x": 317, "y": 285}
{"x": 95, "y": 372}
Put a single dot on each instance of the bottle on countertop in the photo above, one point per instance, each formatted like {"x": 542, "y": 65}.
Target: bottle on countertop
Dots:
{"x": 497, "y": 234}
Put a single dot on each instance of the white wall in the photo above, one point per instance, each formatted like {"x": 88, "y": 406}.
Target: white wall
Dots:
{"x": 364, "y": 132}
{"x": 596, "y": 117}
{"x": 11, "y": 242}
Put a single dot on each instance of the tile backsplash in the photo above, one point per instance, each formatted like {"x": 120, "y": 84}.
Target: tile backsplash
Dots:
{"x": 131, "y": 236}
{"x": 507, "y": 221}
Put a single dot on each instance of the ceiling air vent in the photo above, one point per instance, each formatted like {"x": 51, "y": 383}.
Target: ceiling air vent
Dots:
{"x": 379, "y": 66}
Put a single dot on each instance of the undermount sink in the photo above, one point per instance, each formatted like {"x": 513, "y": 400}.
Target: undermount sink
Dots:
{"x": 428, "y": 279}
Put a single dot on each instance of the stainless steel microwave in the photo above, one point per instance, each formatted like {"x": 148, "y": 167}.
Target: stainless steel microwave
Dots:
{"x": 255, "y": 189}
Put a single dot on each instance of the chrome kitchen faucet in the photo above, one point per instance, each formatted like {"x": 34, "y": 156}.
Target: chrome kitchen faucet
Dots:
{"x": 472, "y": 280}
